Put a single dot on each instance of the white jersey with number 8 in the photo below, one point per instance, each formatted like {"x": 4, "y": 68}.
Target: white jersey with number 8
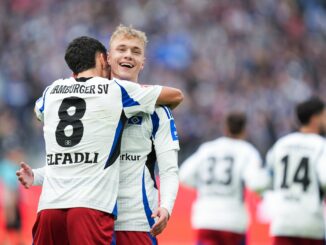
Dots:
{"x": 83, "y": 122}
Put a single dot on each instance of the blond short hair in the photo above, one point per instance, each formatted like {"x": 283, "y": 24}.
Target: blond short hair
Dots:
{"x": 129, "y": 32}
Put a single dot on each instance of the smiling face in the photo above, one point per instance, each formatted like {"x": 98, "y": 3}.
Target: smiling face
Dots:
{"x": 126, "y": 57}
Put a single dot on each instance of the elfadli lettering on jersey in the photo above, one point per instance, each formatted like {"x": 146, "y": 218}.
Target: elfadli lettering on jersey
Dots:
{"x": 71, "y": 158}
{"x": 81, "y": 89}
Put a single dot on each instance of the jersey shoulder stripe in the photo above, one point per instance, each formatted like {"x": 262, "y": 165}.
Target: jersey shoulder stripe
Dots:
{"x": 167, "y": 111}
{"x": 165, "y": 114}
{"x": 43, "y": 99}
{"x": 127, "y": 101}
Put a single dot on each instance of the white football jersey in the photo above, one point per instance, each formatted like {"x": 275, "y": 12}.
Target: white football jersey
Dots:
{"x": 83, "y": 122}
{"x": 298, "y": 166}
{"x": 144, "y": 137}
{"x": 219, "y": 170}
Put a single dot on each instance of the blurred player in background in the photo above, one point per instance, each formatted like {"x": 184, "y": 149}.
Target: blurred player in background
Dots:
{"x": 298, "y": 166}
{"x": 146, "y": 137}
{"x": 83, "y": 136}
{"x": 219, "y": 171}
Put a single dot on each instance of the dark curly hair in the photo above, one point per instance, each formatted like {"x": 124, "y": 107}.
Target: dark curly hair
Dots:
{"x": 307, "y": 109}
{"x": 80, "y": 53}
{"x": 236, "y": 122}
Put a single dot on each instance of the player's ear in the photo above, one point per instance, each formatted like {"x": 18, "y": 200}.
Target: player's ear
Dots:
{"x": 143, "y": 64}
{"x": 101, "y": 58}
{"x": 103, "y": 61}
{"x": 108, "y": 57}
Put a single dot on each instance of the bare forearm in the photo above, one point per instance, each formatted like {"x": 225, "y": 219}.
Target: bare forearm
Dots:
{"x": 171, "y": 97}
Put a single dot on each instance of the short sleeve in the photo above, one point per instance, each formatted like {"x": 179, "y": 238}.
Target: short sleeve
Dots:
{"x": 188, "y": 173}
{"x": 39, "y": 105}
{"x": 321, "y": 167}
{"x": 253, "y": 163}
{"x": 39, "y": 174}
{"x": 136, "y": 98}
{"x": 269, "y": 161}
{"x": 256, "y": 177}
{"x": 164, "y": 131}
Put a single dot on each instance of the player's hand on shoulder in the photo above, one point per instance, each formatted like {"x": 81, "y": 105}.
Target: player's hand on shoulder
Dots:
{"x": 163, "y": 216}
{"x": 25, "y": 175}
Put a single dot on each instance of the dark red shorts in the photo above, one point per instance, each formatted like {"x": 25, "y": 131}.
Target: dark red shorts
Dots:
{"x": 215, "y": 237}
{"x": 283, "y": 240}
{"x": 74, "y": 226}
{"x": 134, "y": 238}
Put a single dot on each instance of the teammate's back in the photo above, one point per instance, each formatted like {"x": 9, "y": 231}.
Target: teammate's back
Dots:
{"x": 297, "y": 163}
{"x": 224, "y": 166}
{"x": 219, "y": 170}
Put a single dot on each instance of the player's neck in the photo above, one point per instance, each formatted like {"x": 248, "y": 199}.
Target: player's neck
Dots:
{"x": 236, "y": 137}
{"x": 121, "y": 78}
{"x": 89, "y": 73}
{"x": 309, "y": 130}
{"x": 240, "y": 136}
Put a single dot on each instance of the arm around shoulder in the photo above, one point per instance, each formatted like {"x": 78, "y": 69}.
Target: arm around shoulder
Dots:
{"x": 171, "y": 97}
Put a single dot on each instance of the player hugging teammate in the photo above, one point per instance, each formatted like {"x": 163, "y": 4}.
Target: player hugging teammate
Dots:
{"x": 101, "y": 125}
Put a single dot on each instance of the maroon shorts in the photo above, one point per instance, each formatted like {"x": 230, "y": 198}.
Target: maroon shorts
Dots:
{"x": 134, "y": 238}
{"x": 215, "y": 237}
{"x": 283, "y": 240}
{"x": 73, "y": 226}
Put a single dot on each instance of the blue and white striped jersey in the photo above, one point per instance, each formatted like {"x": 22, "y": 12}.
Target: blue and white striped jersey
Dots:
{"x": 83, "y": 123}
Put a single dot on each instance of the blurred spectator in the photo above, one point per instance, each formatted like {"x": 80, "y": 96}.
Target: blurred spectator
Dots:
{"x": 12, "y": 155}
{"x": 261, "y": 56}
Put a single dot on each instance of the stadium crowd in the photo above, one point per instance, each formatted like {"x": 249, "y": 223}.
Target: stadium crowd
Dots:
{"x": 260, "y": 56}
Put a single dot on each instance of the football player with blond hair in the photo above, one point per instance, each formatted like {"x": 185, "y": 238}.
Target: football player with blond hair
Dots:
{"x": 147, "y": 137}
